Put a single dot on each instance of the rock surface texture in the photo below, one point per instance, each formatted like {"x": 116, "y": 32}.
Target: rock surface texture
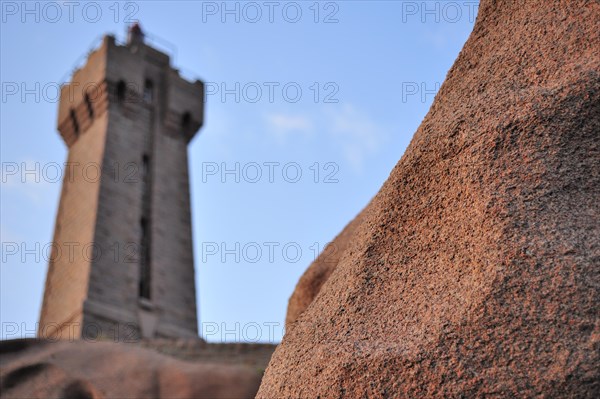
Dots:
{"x": 95, "y": 370}
{"x": 318, "y": 272}
{"x": 476, "y": 271}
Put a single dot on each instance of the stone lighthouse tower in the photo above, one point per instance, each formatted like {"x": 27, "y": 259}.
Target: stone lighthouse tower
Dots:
{"x": 122, "y": 263}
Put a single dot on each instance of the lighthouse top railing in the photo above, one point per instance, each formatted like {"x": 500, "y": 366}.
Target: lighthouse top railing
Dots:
{"x": 155, "y": 41}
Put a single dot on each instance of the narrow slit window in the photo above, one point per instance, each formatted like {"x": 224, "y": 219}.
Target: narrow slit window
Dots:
{"x": 186, "y": 123}
{"x": 74, "y": 122}
{"x": 144, "y": 283}
{"x": 145, "y": 166}
{"x": 121, "y": 91}
{"x": 90, "y": 107}
{"x": 148, "y": 91}
{"x": 145, "y": 262}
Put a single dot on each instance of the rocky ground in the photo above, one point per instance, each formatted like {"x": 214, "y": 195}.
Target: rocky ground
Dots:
{"x": 150, "y": 369}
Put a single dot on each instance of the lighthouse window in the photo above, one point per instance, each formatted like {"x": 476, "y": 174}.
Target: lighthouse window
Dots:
{"x": 144, "y": 281}
{"x": 148, "y": 91}
{"x": 90, "y": 108}
{"x": 74, "y": 122}
{"x": 186, "y": 123}
{"x": 121, "y": 91}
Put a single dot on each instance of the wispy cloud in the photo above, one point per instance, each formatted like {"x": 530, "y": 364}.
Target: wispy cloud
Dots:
{"x": 357, "y": 134}
{"x": 285, "y": 125}
{"x": 438, "y": 39}
{"x": 348, "y": 129}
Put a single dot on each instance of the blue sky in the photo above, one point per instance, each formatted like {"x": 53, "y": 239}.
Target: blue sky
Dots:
{"x": 331, "y": 90}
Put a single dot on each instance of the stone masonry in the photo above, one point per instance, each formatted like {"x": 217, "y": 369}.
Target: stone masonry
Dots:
{"x": 122, "y": 265}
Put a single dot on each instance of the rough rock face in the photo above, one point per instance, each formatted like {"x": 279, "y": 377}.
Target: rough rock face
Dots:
{"x": 476, "y": 272}
{"x": 318, "y": 272}
{"x": 93, "y": 370}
